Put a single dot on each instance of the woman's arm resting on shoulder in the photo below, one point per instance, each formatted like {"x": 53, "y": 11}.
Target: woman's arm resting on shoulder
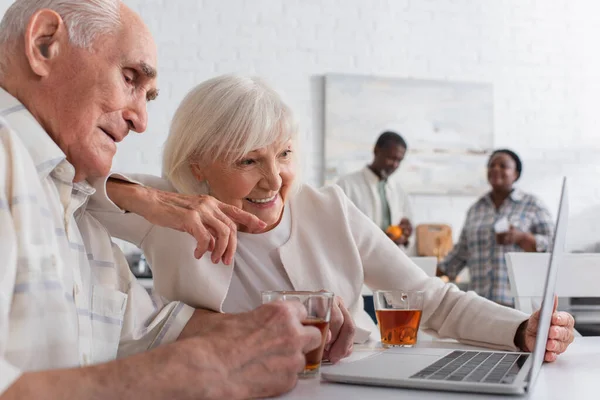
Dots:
{"x": 213, "y": 224}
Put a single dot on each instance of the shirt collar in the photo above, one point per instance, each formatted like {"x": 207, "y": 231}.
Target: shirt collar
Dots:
{"x": 371, "y": 176}
{"x": 517, "y": 195}
{"x": 45, "y": 154}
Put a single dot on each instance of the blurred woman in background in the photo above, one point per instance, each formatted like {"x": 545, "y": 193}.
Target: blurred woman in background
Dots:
{"x": 504, "y": 220}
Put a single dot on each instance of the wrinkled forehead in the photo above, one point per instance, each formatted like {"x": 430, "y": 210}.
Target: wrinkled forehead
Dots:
{"x": 134, "y": 41}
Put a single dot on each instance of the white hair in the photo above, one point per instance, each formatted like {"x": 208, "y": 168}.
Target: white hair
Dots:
{"x": 223, "y": 118}
{"x": 84, "y": 20}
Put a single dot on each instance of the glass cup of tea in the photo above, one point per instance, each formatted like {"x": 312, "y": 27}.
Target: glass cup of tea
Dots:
{"x": 398, "y": 316}
{"x": 318, "y": 309}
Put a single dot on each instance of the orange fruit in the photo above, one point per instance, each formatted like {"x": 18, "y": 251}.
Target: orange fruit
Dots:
{"x": 394, "y": 231}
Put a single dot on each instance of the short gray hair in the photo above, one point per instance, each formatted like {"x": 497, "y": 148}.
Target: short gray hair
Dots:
{"x": 84, "y": 20}
{"x": 223, "y": 118}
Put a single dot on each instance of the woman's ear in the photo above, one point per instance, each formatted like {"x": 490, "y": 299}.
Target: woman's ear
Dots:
{"x": 197, "y": 171}
{"x": 44, "y": 35}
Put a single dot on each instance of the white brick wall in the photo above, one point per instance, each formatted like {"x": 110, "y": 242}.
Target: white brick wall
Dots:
{"x": 540, "y": 55}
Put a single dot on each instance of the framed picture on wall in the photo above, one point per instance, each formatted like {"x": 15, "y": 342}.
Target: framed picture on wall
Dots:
{"x": 448, "y": 127}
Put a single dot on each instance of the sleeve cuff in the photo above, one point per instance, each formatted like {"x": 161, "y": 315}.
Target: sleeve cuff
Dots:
{"x": 445, "y": 270}
{"x": 511, "y": 330}
{"x": 8, "y": 375}
{"x": 100, "y": 200}
{"x": 502, "y": 337}
{"x": 174, "y": 325}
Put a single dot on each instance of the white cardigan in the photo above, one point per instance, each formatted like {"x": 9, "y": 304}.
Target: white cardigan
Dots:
{"x": 332, "y": 246}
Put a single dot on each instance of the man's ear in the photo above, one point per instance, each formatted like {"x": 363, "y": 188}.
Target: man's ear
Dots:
{"x": 375, "y": 151}
{"x": 45, "y": 34}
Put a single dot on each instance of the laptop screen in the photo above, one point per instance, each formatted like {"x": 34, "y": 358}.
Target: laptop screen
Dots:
{"x": 558, "y": 248}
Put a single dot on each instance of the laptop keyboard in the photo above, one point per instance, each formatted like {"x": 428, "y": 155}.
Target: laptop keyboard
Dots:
{"x": 474, "y": 366}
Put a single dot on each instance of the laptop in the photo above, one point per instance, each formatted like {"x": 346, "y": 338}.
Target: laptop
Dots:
{"x": 497, "y": 372}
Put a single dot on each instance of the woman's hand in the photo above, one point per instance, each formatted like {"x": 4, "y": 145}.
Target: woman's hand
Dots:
{"x": 213, "y": 224}
{"x": 341, "y": 333}
{"x": 524, "y": 240}
{"x": 512, "y": 236}
{"x": 560, "y": 335}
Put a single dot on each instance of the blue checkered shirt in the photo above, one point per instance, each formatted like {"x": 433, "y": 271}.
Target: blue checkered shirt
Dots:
{"x": 477, "y": 248}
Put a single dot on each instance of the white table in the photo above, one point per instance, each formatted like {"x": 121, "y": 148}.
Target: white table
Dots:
{"x": 575, "y": 375}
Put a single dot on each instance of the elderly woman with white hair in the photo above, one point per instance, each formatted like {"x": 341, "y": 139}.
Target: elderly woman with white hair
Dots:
{"x": 233, "y": 138}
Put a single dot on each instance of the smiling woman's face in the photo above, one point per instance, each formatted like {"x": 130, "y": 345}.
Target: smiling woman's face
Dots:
{"x": 259, "y": 183}
{"x": 502, "y": 171}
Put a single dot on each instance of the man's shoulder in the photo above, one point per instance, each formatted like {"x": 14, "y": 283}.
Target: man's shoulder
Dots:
{"x": 352, "y": 184}
{"x": 12, "y": 148}
{"x": 7, "y": 135}
{"x": 351, "y": 176}
{"x": 9, "y": 139}
{"x": 16, "y": 164}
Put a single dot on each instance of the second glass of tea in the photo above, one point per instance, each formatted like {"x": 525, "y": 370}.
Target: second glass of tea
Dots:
{"x": 398, "y": 316}
{"x": 318, "y": 310}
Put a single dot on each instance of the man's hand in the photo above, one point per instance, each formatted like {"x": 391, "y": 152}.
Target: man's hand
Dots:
{"x": 213, "y": 224}
{"x": 341, "y": 332}
{"x": 406, "y": 226}
{"x": 560, "y": 335}
{"x": 241, "y": 356}
{"x": 254, "y": 354}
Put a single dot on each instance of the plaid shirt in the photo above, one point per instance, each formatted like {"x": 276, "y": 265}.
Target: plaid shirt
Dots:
{"x": 477, "y": 248}
{"x": 67, "y": 296}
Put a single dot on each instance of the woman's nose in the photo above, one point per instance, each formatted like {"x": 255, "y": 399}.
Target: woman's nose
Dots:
{"x": 272, "y": 178}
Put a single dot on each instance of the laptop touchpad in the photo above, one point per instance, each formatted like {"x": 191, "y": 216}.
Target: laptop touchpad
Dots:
{"x": 384, "y": 365}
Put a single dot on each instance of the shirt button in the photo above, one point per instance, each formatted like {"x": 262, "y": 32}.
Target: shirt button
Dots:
{"x": 86, "y": 360}
{"x": 53, "y": 260}
{"x": 76, "y": 289}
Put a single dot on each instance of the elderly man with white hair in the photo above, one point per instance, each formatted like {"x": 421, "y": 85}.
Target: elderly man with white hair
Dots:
{"x": 75, "y": 79}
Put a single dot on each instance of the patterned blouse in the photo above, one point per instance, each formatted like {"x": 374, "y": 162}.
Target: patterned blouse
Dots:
{"x": 477, "y": 248}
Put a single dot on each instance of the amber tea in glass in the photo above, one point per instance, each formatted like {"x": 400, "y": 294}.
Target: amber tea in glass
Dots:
{"x": 313, "y": 358}
{"x": 398, "y": 316}
{"x": 318, "y": 309}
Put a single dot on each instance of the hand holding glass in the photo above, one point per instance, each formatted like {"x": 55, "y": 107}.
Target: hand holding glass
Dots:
{"x": 318, "y": 309}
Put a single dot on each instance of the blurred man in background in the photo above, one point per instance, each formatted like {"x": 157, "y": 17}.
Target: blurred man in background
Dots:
{"x": 380, "y": 198}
